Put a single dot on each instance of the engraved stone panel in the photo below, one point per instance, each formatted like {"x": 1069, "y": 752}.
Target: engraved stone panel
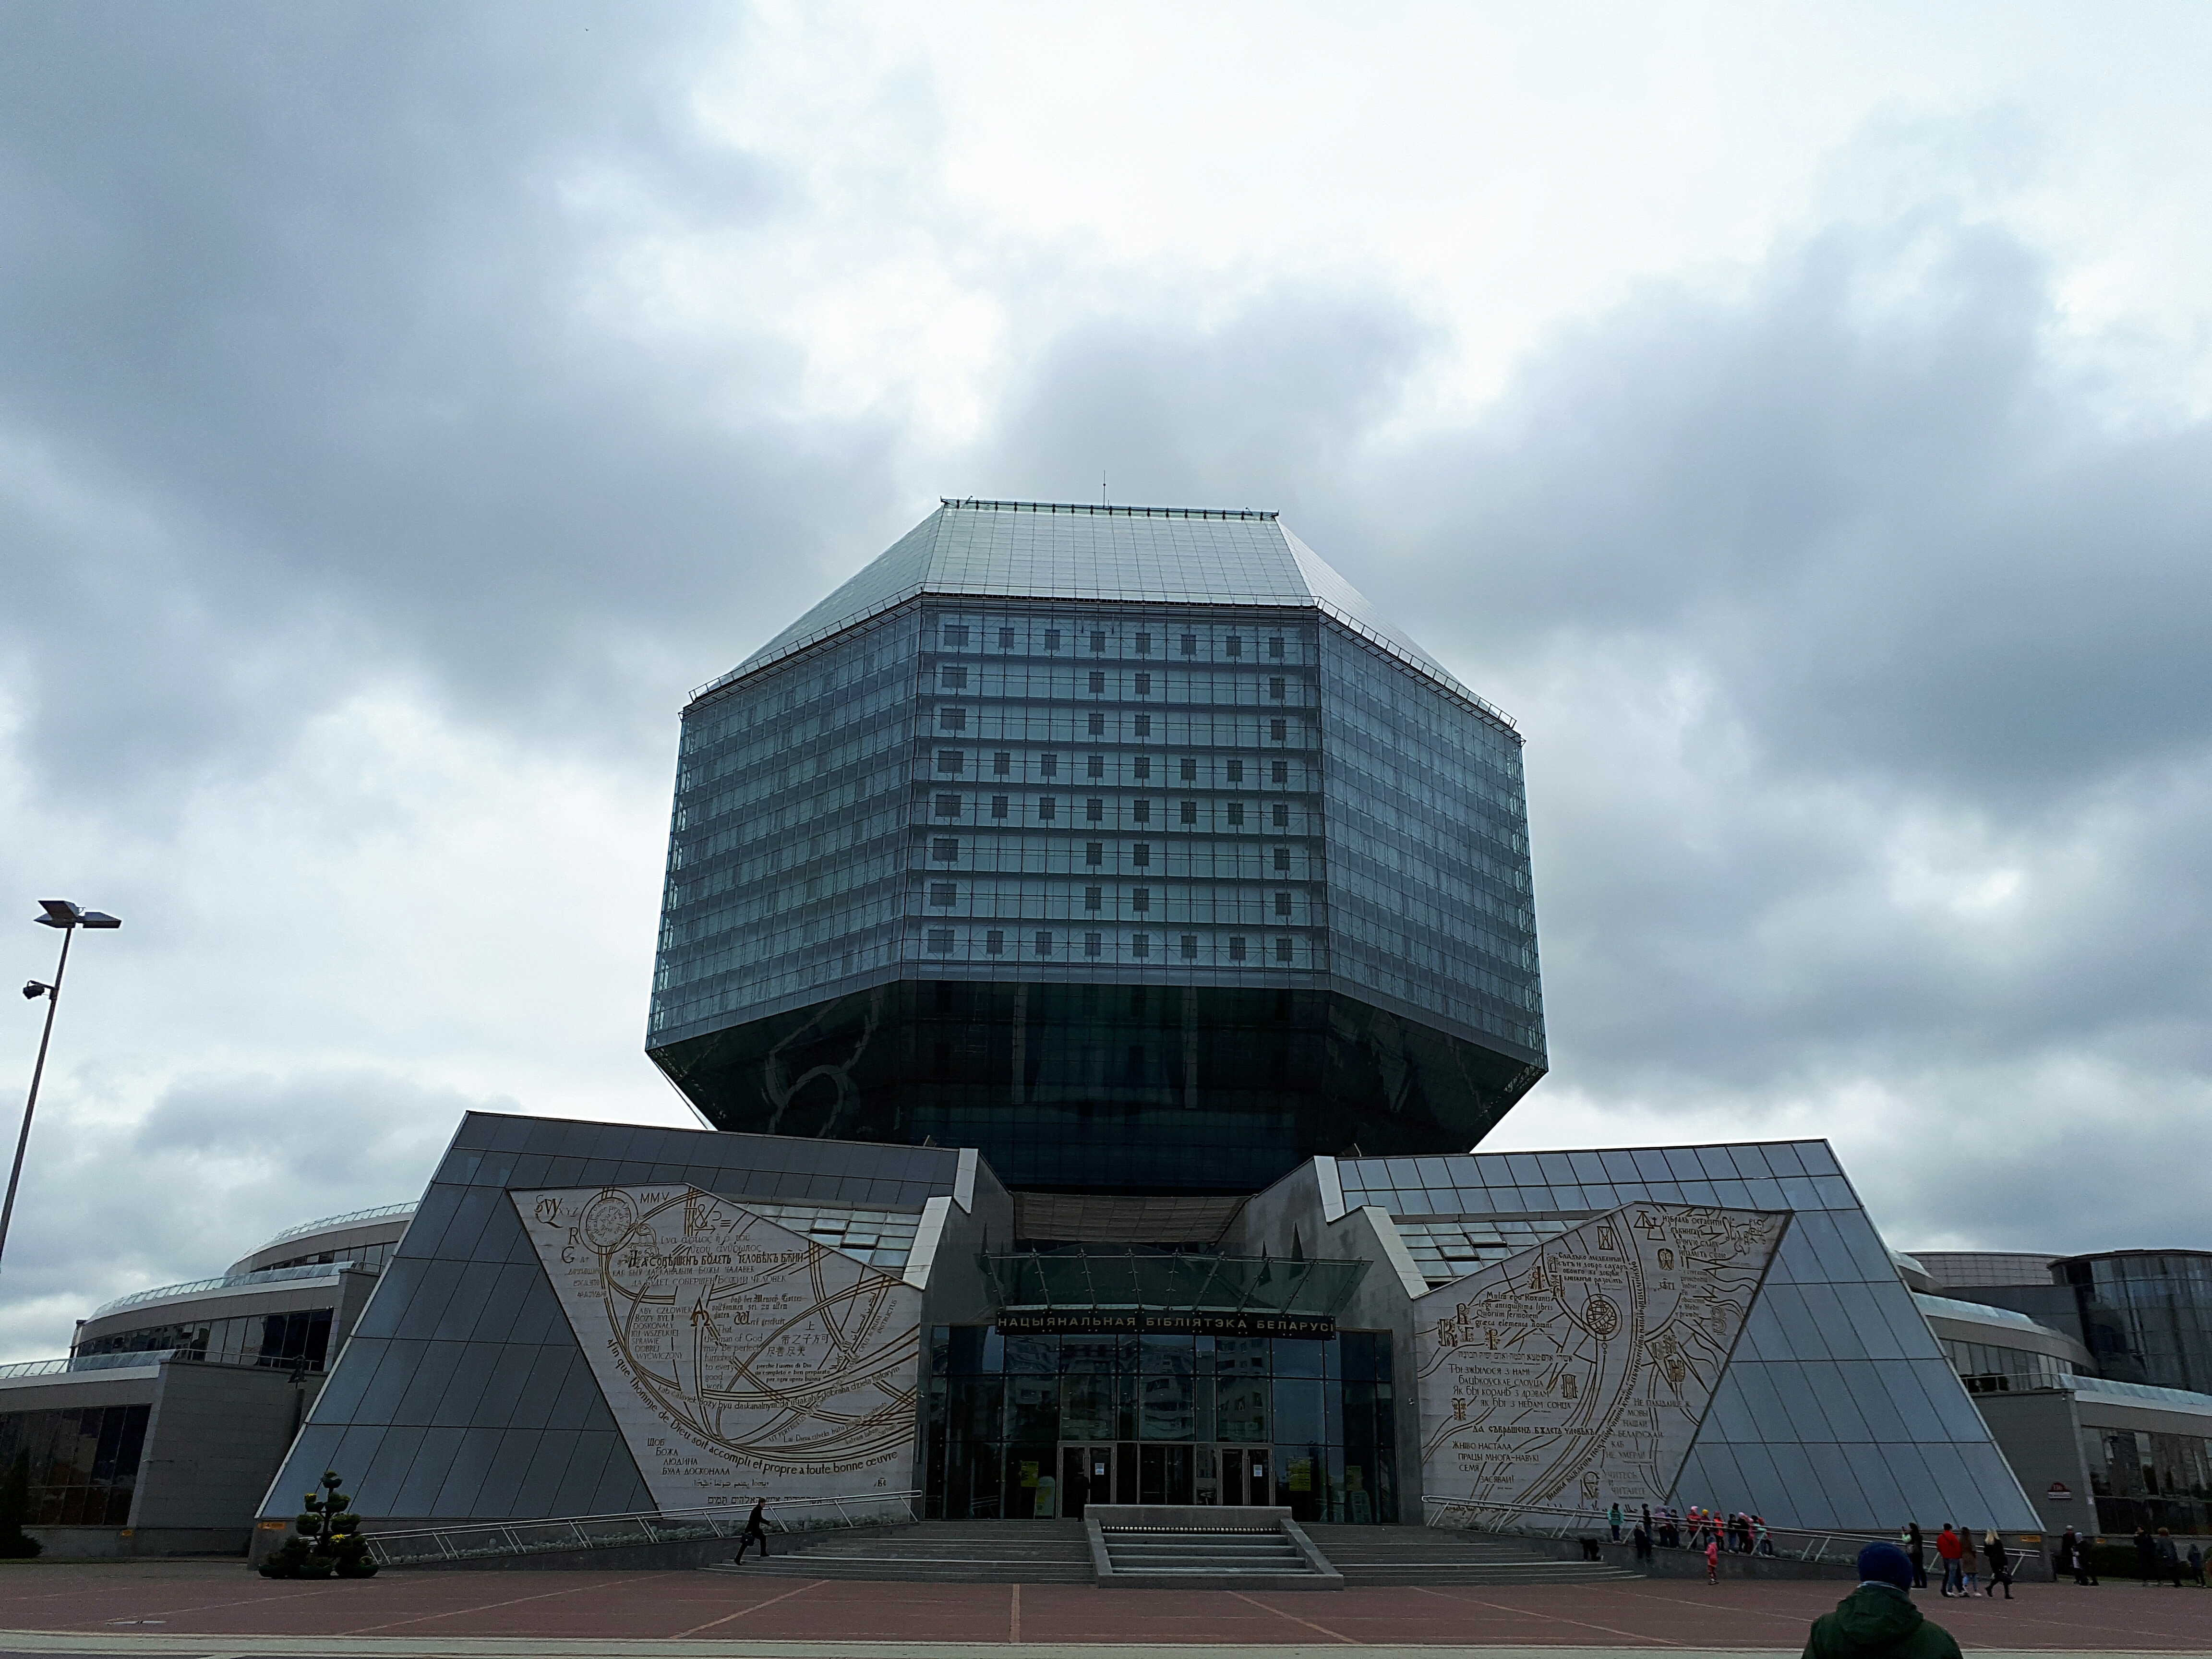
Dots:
{"x": 1577, "y": 1373}
{"x": 739, "y": 1358}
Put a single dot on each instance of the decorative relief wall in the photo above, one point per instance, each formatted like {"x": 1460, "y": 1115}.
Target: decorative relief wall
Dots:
{"x": 739, "y": 1358}
{"x": 1577, "y": 1372}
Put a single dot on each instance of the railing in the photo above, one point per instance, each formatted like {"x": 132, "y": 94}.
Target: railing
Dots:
{"x": 85, "y": 1362}
{"x": 477, "y": 1541}
{"x": 1794, "y": 1543}
{"x": 330, "y": 1221}
{"x": 227, "y": 1282}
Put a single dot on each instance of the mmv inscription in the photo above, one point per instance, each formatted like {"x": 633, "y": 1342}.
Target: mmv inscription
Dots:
{"x": 1577, "y": 1373}
{"x": 739, "y": 1358}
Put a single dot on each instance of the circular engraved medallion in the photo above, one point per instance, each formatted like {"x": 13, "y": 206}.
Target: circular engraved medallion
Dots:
{"x": 1601, "y": 1315}
{"x": 608, "y": 1220}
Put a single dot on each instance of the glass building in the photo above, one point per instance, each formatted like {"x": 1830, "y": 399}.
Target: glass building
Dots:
{"x": 2145, "y": 1315}
{"x": 1128, "y": 846}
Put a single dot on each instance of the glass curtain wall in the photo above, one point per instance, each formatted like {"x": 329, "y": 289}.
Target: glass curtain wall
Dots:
{"x": 1162, "y": 1413}
{"x": 301, "y": 1338}
{"x": 2144, "y": 1478}
{"x": 2147, "y": 1315}
{"x": 82, "y": 1464}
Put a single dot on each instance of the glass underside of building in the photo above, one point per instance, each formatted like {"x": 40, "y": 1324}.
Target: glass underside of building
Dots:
{"x": 1096, "y": 883}
{"x": 1020, "y": 1427}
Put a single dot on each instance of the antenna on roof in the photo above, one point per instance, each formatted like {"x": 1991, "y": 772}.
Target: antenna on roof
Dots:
{"x": 1102, "y": 487}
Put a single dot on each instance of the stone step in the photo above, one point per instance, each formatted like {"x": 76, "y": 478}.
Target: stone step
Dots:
{"x": 1177, "y": 1553}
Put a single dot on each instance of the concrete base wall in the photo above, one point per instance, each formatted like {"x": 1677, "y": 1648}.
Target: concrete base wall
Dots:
{"x": 1691, "y": 1564}
{"x": 115, "y": 1543}
{"x": 645, "y": 1557}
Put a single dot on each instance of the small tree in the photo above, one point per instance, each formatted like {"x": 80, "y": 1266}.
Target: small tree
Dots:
{"x": 326, "y": 1539}
{"x": 14, "y": 1502}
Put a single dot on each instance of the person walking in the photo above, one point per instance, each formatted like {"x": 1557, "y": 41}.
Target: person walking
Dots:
{"x": 1917, "y": 1548}
{"x": 1765, "y": 1538}
{"x": 1713, "y": 1559}
{"x": 1878, "y": 1621}
{"x": 2146, "y": 1556}
{"x": 2070, "y": 1558}
{"x": 1643, "y": 1541}
{"x": 1970, "y": 1563}
{"x": 756, "y": 1532}
{"x": 1994, "y": 1550}
{"x": 1612, "y": 1519}
{"x": 1948, "y": 1551}
{"x": 2197, "y": 1564}
{"x": 2169, "y": 1558}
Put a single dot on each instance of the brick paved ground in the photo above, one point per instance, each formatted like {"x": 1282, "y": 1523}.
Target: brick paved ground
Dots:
{"x": 183, "y": 1602}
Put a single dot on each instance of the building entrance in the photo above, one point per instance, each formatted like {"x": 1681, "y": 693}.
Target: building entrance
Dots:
{"x": 1245, "y": 1477}
{"x": 1095, "y": 1473}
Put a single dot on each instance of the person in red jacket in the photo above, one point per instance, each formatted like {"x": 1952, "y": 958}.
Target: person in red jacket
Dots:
{"x": 1949, "y": 1547}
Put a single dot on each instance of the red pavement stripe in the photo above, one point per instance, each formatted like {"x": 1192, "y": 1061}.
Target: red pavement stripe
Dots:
{"x": 811, "y": 1584}
{"x": 1583, "y": 1624}
{"x": 1337, "y": 1635}
{"x": 483, "y": 1606}
{"x": 1014, "y": 1614}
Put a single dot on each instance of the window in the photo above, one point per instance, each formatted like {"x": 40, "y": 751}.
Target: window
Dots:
{"x": 1235, "y": 646}
{"x": 1143, "y": 685}
{"x": 1097, "y": 725}
{"x": 1280, "y": 771}
{"x": 945, "y": 849}
{"x": 940, "y": 940}
{"x": 995, "y": 943}
{"x": 1051, "y": 643}
{"x": 1275, "y": 687}
{"x": 1094, "y": 852}
{"x": 1190, "y": 645}
{"x": 1282, "y": 950}
{"x": 956, "y": 633}
{"x": 1190, "y": 812}
{"x": 951, "y": 762}
{"x": 1097, "y": 680}
{"x": 1140, "y": 944}
{"x": 1048, "y": 809}
{"x": 1236, "y": 949}
{"x": 1094, "y": 810}
{"x": 1093, "y": 943}
{"x": 1275, "y": 645}
{"x": 1189, "y": 769}
{"x": 1140, "y": 898}
{"x": 1143, "y": 644}
{"x": 1005, "y": 638}
{"x": 944, "y": 893}
{"x": 1142, "y": 811}
{"x": 1044, "y": 945}
{"x": 948, "y": 806}
{"x": 1282, "y": 904}
{"x": 1002, "y": 763}
{"x": 1282, "y": 816}
{"x": 1143, "y": 726}
{"x": 1190, "y": 947}
{"x": 1093, "y": 898}
{"x": 1097, "y": 642}
{"x": 1144, "y": 766}
{"x": 1277, "y": 731}
{"x": 953, "y": 676}
{"x": 1095, "y": 767}
{"x": 1235, "y": 814}
{"x": 998, "y": 806}
{"x": 1283, "y": 859}
{"x": 1141, "y": 854}
{"x": 1049, "y": 765}
{"x": 952, "y": 720}
{"x": 1236, "y": 771}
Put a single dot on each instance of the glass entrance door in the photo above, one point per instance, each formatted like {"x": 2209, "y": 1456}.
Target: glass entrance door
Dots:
{"x": 1086, "y": 1477}
{"x": 1245, "y": 1474}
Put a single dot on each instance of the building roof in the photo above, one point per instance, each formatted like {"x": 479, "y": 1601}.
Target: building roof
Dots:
{"x": 1141, "y": 555}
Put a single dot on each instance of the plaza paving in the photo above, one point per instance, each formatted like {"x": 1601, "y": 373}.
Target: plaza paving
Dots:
{"x": 159, "y": 1608}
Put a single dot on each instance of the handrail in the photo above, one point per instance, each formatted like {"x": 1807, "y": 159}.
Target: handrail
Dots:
{"x": 227, "y": 1282}
{"x": 86, "y": 1362}
{"x": 330, "y": 1221}
{"x": 475, "y": 1540}
{"x": 1814, "y": 1544}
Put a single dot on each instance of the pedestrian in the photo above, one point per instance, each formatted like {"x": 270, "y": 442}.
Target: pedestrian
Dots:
{"x": 1647, "y": 1519}
{"x": 2088, "y": 1546}
{"x": 1917, "y": 1549}
{"x": 2197, "y": 1564}
{"x": 1878, "y": 1621}
{"x": 1612, "y": 1519}
{"x": 2071, "y": 1559}
{"x": 1947, "y": 1552}
{"x": 1713, "y": 1559}
{"x": 2169, "y": 1560}
{"x": 1970, "y": 1565}
{"x": 1993, "y": 1548}
{"x": 756, "y": 1532}
{"x": 1765, "y": 1538}
{"x": 2146, "y": 1555}
{"x": 1643, "y": 1541}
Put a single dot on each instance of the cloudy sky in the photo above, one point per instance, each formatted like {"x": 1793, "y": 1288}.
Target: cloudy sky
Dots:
{"x": 1796, "y": 416}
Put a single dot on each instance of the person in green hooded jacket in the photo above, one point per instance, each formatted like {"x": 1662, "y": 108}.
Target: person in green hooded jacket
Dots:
{"x": 1878, "y": 1621}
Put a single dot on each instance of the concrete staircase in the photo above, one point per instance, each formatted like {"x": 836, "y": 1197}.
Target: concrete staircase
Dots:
{"x": 1372, "y": 1557}
{"x": 933, "y": 1551}
{"x": 1197, "y": 1554}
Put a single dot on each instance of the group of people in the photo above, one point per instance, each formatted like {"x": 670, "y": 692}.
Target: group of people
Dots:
{"x": 1960, "y": 1563}
{"x": 2159, "y": 1561}
{"x": 1708, "y": 1531}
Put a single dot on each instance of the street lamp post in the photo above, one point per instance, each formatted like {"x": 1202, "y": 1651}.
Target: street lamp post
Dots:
{"x": 68, "y": 917}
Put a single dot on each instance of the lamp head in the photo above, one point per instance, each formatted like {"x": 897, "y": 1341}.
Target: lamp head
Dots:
{"x": 32, "y": 990}
{"x": 65, "y": 914}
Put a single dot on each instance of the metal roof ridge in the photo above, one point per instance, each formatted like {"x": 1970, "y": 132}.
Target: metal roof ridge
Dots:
{"x": 1106, "y": 509}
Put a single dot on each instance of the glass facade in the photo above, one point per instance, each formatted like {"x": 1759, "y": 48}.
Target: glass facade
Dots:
{"x": 2146, "y": 1316}
{"x": 301, "y": 1338}
{"x": 371, "y": 1257}
{"x": 82, "y": 1463}
{"x": 1127, "y": 888}
{"x": 1025, "y": 1427}
{"x": 1839, "y": 1406}
{"x": 2142, "y": 1478}
{"x": 1988, "y": 1368}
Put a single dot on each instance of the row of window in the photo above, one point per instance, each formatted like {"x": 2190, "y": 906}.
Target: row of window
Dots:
{"x": 1049, "y": 640}
{"x": 81, "y": 1463}
{"x": 1199, "y": 690}
{"x": 1044, "y": 944}
{"x": 1003, "y": 764}
{"x": 946, "y": 849}
{"x": 1045, "y": 809}
{"x": 301, "y": 1338}
{"x": 1284, "y": 903}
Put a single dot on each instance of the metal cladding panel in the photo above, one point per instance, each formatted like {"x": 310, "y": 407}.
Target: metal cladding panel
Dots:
{"x": 440, "y": 1410}
{"x": 1837, "y": 1407}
